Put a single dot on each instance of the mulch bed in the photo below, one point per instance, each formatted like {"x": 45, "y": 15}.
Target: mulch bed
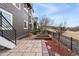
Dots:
{"x": 29, "y": 34}
{"x": 57, "y": 47}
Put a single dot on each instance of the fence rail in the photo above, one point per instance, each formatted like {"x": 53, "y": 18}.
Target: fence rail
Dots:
{"x": 69, "y": 42}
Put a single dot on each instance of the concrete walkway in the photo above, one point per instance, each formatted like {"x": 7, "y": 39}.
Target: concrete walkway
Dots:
{"x": 27, "y": 47}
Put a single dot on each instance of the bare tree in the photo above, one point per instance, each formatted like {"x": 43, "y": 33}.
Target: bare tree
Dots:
{"x": 44, "y": 22}
{"x": 62, "y": 27}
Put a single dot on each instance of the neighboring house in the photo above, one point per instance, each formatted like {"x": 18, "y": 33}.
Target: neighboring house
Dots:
{"x": 19, "y": 16}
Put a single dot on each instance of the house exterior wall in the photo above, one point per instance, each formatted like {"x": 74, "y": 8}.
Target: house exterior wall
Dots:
{"x": 19, "y": 16}
{"x": 30, "y": 20}
{"x": 30, "y": 16}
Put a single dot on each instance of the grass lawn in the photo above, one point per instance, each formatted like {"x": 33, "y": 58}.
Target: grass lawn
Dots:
{"x": 73, "y": 34}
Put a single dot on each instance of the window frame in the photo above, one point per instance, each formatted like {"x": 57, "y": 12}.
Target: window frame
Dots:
{"x": 25, "y": 24}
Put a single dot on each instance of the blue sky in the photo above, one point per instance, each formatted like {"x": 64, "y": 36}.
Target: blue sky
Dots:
{"x": 58, "y": 12}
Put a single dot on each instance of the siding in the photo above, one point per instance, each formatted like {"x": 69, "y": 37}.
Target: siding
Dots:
{"x": 18, "y": 18}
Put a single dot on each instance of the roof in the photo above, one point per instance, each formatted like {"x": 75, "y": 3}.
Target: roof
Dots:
{"x": 28, "y": 5}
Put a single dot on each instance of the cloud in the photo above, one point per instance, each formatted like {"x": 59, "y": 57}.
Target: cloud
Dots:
{"x": 54, "y": 8}
{"x": 60, "y": 13}
{"x": 71, "y": 19}
{"x": 49, "y": 9}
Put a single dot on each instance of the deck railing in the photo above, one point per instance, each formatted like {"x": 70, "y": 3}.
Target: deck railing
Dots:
{"x": 6, "y": 29}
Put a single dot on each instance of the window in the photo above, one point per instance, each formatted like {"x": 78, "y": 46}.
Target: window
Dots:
{"x": 4, "y": 24}
{"x": 29, "y": 19}
{"x": 25, "y": 24}
{"x": 17, "y": 5}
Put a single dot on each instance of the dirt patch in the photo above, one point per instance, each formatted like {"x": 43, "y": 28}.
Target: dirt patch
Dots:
{"x": 57, "y": 48}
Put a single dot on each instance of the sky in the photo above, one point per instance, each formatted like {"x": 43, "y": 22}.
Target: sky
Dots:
{"x": 58, "y": 12}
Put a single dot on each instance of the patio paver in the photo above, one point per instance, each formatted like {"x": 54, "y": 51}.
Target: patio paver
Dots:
{"x": 27, "y": 47}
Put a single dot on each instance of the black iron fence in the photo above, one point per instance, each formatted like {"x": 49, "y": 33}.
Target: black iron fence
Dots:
{"x": 7, "y": 30}
{"x": 69, "y": 42}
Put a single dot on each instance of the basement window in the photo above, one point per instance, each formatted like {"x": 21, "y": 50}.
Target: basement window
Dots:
{"x": 25, "y": 24}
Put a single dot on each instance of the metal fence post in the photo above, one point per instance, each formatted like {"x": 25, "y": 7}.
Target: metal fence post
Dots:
{"x": 58, "y": 36}
{"x": 71, "y": 43}
{"x": 53, "y": 34}
{"x": 58, "y": 41}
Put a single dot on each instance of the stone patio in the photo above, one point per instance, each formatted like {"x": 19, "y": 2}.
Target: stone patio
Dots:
{"x": 27, "y": 47}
